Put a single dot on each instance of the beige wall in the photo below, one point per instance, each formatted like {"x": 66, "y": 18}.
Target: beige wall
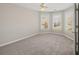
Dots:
{"x": 16, "y": 22}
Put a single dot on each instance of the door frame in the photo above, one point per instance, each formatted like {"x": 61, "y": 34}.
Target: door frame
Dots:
{"x": 76, "y": 27}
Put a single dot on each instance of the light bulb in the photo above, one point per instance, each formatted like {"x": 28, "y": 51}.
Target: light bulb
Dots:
{"x": 42, "y": 9}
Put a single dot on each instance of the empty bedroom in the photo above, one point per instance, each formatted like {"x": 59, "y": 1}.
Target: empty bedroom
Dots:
{"x": 37, "y": 29}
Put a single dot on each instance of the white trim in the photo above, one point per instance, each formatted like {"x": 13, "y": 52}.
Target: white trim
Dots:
{"x": 51, "y": 32}
{"x": 63, "y": 34}
{"x": 4, "y": 44}
{"x": 68, "y": 36}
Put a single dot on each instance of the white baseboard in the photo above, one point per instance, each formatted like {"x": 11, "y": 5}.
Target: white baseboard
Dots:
{"x": 50, "y": 32}
{"x": 63, "y": 34}
{"x": 68, "y": 37}
{"x": 4, "y": 44}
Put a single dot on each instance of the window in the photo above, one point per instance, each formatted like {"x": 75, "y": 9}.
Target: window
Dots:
{"x": 44, "y": 22}
{"x": 57, "y": 22}
{"x": 69, "y": 20}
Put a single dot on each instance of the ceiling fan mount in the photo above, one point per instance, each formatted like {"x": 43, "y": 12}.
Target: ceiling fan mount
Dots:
{"x": 43, "y": 5}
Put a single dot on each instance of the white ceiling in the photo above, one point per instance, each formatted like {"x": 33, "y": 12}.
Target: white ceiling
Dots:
{"x": 51, "y": 6}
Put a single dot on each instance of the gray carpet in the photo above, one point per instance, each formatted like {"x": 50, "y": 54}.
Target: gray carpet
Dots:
{"x": 42, "y": 44}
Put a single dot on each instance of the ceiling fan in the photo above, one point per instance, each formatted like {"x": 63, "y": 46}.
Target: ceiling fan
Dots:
{"x": 43, "y": 6}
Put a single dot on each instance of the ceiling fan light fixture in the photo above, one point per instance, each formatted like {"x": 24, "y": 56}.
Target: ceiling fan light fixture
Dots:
{"x": 43, "y": 7}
